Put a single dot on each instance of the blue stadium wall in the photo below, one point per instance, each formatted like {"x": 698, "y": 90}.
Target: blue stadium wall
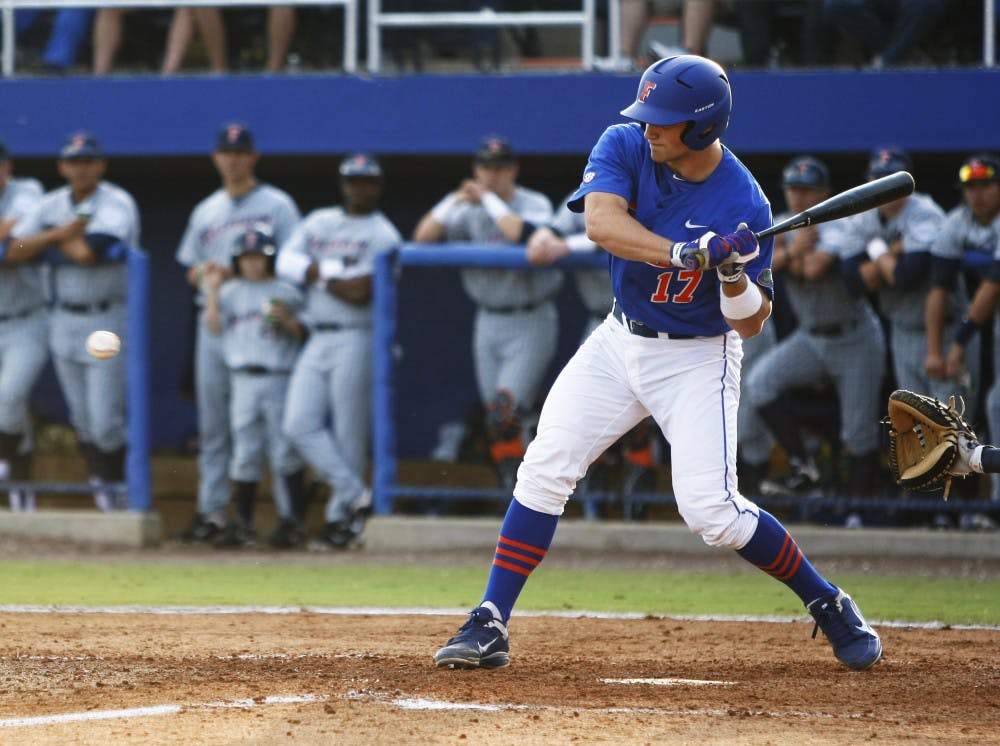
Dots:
{"x": 158, "y": 132}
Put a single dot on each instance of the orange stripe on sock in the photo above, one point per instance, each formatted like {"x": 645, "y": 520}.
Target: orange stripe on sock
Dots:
{"x": 789, "y": 559}
{"x": 782, "y": 555}
{"x": 520, "y": 545}
{"x": 794, "y": 569}
{"x": 512, "y": 568}
{"x": 533, "y": 561}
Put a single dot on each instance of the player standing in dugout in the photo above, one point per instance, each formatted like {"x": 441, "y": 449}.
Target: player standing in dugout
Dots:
{"x": 656, "y": 193}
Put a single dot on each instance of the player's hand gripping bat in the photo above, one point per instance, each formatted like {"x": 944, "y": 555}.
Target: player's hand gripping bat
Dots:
{"x": 861, "y": 198}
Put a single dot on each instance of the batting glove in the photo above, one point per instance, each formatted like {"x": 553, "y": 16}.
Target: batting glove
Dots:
{"x": 712, "y": 250}
{"x": 747, "y": 249}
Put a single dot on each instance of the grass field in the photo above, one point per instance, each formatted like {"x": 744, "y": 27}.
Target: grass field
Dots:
{"x": 92, "y": 583}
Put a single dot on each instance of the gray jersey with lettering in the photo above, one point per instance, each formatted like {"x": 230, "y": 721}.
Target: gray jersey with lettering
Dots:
{"x": 112, "y": 212}
{"x": 218, "y": 219}
{"x": 355, "y": 240}
{"x": 917, "y": 225}
{"x": 493, "y": 288}
{"x": 248, "y": 339}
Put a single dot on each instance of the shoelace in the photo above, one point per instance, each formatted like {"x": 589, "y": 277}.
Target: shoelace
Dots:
{"x": 832, "y": 614}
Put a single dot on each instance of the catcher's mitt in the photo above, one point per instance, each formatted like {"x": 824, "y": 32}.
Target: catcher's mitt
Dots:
{"x": 923, "y": 440}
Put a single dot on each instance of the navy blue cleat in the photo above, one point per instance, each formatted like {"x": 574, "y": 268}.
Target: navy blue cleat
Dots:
{"x": 855, "y": 644}
{"x": 480, "y": 643}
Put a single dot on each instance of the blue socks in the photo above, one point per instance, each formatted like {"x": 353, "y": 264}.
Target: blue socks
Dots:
{"x": 774, "y": 551}
{"x": 524, "y": 540}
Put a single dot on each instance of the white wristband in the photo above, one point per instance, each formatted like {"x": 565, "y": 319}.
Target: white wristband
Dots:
{"x": 331, "y": 268}
{"x": 495, "y": 207}
{"x": 292, "y": 266}
{"x": 976, "y": 460}
{"x": 741, "y": 306}
{"x": 580, "y": 242}
{"x": 877, "y": 247}
{"x": 443, "y": 209}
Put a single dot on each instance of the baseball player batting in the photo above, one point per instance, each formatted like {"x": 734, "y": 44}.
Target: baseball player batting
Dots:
{"x": 677, "y": 211}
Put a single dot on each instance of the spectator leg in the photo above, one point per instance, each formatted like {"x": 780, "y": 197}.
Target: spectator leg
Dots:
{"x": 178, "y": 39}
{"x": 756, "y": 31}
{"x": 915, "y": 20}
{"x": 818, "y": 35}
{"x": 208, "y": 21}
{"x": 107, "y": 39}
{"x": 280, "y": 29}
{"x": 699, "y": 15}
{"x": 634, "y": 18}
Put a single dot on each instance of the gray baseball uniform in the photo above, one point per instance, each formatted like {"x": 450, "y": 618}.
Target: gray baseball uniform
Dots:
{"x": 328, "y": 414}
{"x": 961, "y": 234}
{"x": 211, "y": 233}
{"x": 904, "y": 304}
{"x": 24, "y": 330}
{"x": 89, "y": 297}
{"x": 838, "y": 338}
{"x": 516, "y": 325}
{"x": 260, "y": 358}
{"x": 592, "y": 285}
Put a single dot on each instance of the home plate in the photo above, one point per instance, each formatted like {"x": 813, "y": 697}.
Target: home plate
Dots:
{"x": 669, "y": 682}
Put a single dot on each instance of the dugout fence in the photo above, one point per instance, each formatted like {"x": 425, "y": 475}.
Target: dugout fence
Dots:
{"x": 408, "y": 386}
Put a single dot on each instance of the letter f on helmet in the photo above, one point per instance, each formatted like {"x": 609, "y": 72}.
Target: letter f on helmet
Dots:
{"x": 685, "y": 89}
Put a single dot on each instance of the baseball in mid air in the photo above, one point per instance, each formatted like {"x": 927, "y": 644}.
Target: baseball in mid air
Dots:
{"x": 102, "y": 344}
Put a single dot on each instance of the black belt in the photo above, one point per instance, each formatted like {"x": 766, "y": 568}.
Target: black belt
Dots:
{"x": 641, "y": 330}
{"x": 833, "y": 330}
{"x": 328, "y": 327}
{"x": 516, "y": 309}
{"x": 260, "y": 370}
{"x": 19, "y": 315}
{"x": 103, "y": 305}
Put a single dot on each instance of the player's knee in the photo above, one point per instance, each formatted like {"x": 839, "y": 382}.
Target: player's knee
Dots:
{"x": 728, "y": 524}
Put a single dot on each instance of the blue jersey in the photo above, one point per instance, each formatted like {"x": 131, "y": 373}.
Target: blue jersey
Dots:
{"x": 666, "y": 298}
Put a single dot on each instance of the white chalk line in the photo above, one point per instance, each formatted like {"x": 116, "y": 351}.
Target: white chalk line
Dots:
{"x": 423, "y": 703}
{"x": 669, "y": 682}
{"x": 430, "y": 611}
{"x": 156, "y": 710}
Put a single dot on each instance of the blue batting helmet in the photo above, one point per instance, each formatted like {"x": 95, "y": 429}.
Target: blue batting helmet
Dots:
{"x": 686, "y": 88}
{"x": 257, "y": 239}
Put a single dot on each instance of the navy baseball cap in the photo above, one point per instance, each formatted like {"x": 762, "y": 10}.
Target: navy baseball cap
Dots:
{"x": 494, "y": 150}
{"x": 978, "y": 168}
{"x": 805, "y": 171}
{"x": 360, "y": 164}
{"x": 81, "y": 146}
{"x": 888, "y": 159}
{"x": 235, "y": 136}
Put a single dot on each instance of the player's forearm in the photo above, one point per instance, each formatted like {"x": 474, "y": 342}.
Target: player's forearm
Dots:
{"x": 934, "y": 314}
{"x": 984, "y": 301}
{"x": 26, "y": 249}
{"x": 735, "y": 299}
{"x": 622, "y": 235}
{"x": 428, "y": 230}
{"x": 213, "y": 318}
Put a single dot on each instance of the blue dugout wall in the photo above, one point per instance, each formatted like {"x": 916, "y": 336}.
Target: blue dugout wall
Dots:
{"x": 829, "y": 111}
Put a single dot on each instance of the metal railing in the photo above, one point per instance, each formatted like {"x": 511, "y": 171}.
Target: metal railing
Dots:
{"x": 7, "y": 8}
{"x": 377, "y": 20}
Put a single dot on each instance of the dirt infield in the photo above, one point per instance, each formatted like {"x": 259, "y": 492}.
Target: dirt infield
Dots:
{"x": 317, "y": 678}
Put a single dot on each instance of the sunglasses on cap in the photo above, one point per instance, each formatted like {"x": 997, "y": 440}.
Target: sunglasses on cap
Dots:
{"x": 976, "y": 171}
